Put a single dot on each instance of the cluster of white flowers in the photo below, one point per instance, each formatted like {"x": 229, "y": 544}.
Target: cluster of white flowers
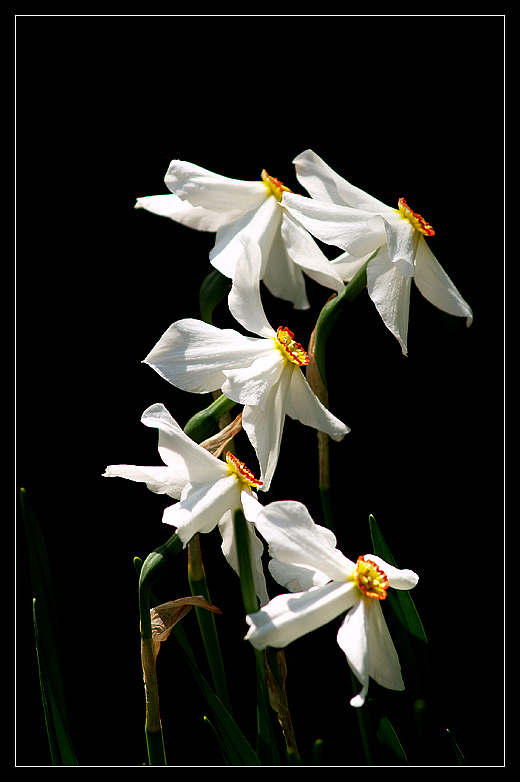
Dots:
{"x": 264, "y": 233}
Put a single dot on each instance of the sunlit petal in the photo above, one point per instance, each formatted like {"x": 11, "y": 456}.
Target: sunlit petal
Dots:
{"x": 390, "y": 292}
{"x": 290, "y": 616}
{"x": 191, "y": 354}
{"x": 213, "y": 191}
{"x": 436, "y": 286}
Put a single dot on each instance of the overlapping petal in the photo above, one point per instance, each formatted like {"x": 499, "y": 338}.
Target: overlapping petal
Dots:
{"x": 295, "y": 539}
{"x": 213, "y": 191}
{"x": 261, "y": 224}
{"x": 185, "y": 460}
{"x": 264, "y": 427}
{"x": 338, "y": 225}
{"x": 344, "y": 216}
{"x": 324, "y": 184}
{"x": 290, "y": 616}
{"x": 304, "y": 554}
{"x": 192, "y": 354}
{"x": 203, "y": 505}
{"x": 185, "y": 213}
{"x": 251, "y": 507}
{"x": 390, "y": 292}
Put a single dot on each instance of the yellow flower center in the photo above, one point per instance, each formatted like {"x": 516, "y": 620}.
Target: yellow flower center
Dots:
{"x": 418, "y": 222}
{"x": 290, "y": 349}
{"x": 276, "y": 187}
{"x": 370, "y": 579}
{"x": 242, "y": 472}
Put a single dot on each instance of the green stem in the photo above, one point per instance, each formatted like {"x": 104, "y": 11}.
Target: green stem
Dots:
{"x": 326, "y": 322}
{"x": 155, "y": 747}
{"x": 266, "y": 742}
{"x": 153, "y": 567}
{"x": 213, "y": 289}
{"x": 202, "y": 425}
{"x": 206, "y": 620}
{"x": 331, "y": 312}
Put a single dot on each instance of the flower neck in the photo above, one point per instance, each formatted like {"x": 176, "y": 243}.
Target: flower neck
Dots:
{"x": 371, "y": 580}
{"x": 417, "y": 222}
{"x": 274, "y": 185}
{"x": 290, "y": 350}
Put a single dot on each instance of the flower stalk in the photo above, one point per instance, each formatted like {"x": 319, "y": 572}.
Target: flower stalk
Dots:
{"x": 316, "y": 378}
{"x": 266, "y": 743}
{"x": 206, "y": 620}
{"x": 153, "y": 567}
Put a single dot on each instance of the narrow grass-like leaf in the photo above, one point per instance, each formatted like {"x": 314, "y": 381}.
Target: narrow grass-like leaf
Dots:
{"x": 387, "y": 736}
{"x": 60, "y": 745}
{"x": 239, "y": 751}
{"x": 48, "y": 651}
{"x": 219, "y": 741}
{"x": 266, "y": 743}
{"x": 461, "y": 760}
{"x": 206, "y": 620}
{"x": 399, "y": 599}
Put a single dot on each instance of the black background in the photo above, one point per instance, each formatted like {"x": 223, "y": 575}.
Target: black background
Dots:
{"x": 399, "y": 106}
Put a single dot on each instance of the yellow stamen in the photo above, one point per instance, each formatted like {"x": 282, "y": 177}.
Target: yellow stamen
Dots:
{"x": 241, "y": 471}
{"x": 290, "y": 349}
{"x": 276, "y": 187}
{"x": 418, "y": 222}
{"x": 370, "y": 579}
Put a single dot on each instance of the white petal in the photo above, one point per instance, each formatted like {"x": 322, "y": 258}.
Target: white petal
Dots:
{"x": 436, "y": 286}
{"x": 287, "y": 617}
{"x": 296, "y": 578}
{"x": 191, "y": 354}
{"x": 390, "y": 292}
{"x": 353, "y": 639}
{"x": 325, "y": 185}
{"x": 340, "y": 226}
{"x": 252, "y": 385}
{"x": 260, "y": 224}
{"x": 226, "y": 528}
{"x": 397, "y": 578}
{"x": 283, "y": 278}
{"x": 219, "y": 193}
{"x": 158, "y": 479}
{"x": 383, "y": 662}
{"x": 303, "y": 251}
{"x": 186, "y": 460}
{"x": 203, "y": 507}
{"x": 183, "y": 212}
{"x": 402, "y": 242}
{"x": 347, "y": 265}
{"x": 264, "y": 428}
{"x": 244, "y": 299}
{"x": 295, "y": 539}
{"x": 303, "y": 404}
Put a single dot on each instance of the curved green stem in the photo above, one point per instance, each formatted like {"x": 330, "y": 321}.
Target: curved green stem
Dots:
{"x": 202, "y": 425}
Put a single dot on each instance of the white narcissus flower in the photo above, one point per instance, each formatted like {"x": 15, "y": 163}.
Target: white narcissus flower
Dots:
{"x": 342, "y": 215}
{"x": 234, "y": 208}
{"x": 263, "y": 374}
{"x": 209, "y": 489}
{"x": 324, "y": 584}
